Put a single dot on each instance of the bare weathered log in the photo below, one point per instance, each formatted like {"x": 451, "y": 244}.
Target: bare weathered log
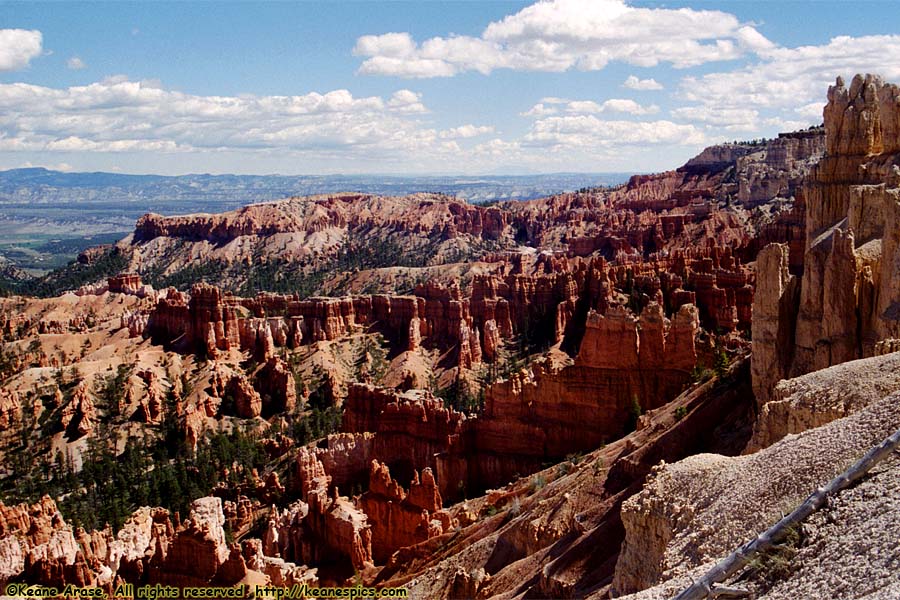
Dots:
{"x": 765, "y": 541}
{"x": 721, "y": 592}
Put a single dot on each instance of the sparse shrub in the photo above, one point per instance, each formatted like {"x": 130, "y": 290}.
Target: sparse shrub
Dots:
{"x": 680, "y": 413}
{"x": 634, "y": 412}
{"x": 777, "y": 564}
{"x": 514, "y": 508}
{"x": 460, "y": 397}
{"x": 700, "y": 374}
{"x": 721, "y": 362}
{"x": 537, "y": 483}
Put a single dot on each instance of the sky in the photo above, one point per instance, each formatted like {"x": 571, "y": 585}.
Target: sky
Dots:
{"x": 467, "y": 87}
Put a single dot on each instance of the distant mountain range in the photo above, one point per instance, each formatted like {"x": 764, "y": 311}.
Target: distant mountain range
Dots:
{"x": 40, "y": 208}
{"x": 45, "y": 186}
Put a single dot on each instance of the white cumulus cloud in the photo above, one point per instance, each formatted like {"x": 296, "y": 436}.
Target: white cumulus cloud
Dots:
{"x": 633, "y": 83}
{"x": 552, "y": 106}
{"x": 406, "y": 101}
{"x": 617, "y": 105}
{"x": 557, "y": 35}
{"x": 587, "y": 131}
{"x": 466, "y": 131}
{"x": 119, "y": 120}
{"x": 540, "y": 110}
{"x": 727, "y": 119}
{"x": 18, "y": 47}
{"x": 787, "y": 78}
{"x": 119, "y": 115}
{"x": 75, "y": 63}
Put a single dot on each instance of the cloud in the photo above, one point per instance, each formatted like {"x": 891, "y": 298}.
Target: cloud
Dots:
{"x": 466, "y": 131}
{"x": 727, "y": 119}
{"x": 117, "y": 121}
{"x": 787, "y": 78}
{"x": 497, "y": 148}
{"x": 785, "y": 124}
{"x": 587, "y": 131}
{"x": 618, "y": 105}
{"x": 557, "y": 35}
{"x": 119, "y": 115}
{"x": 633, "y": 83}
{"x": 613, "y": 105}
{"x": 812, "y": 111}
{"x": 397, "y": 54}
{"x": 539, "y": 110}
{"x": 18, "y": 47}
{"x": 63, "y": 166}
{"x": 78, "y": 144}
{"x": 75, "y": 63}
{"x": 406, "y": 101}
{"x": 553, "y": 100}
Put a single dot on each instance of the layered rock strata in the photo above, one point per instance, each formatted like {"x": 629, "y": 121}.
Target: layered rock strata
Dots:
{"x": 556, "y": 534}
{"x": 625, "y": 366}
{"x": 412, "y": 430}
{"x": 676, "y": 232}
{"x": 401, "y": 518}
{"x": 322, "y": 526}
{"x": 849, "y": 292}
{"x": 36, "y": 545}
{"x": 547, "y": 307}
{"x": 438, "y": 215}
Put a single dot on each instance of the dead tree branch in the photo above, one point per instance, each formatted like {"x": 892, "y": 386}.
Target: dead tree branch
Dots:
{"x": 724, "y": 570}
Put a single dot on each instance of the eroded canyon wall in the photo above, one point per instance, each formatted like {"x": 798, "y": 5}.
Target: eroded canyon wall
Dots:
{"x": 626, "y": 365}
{"x": 152, "y": 547}
{"x": 849, "y": 292}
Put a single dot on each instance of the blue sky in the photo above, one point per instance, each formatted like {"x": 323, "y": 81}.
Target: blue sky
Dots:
{"x": 419, "y": 87}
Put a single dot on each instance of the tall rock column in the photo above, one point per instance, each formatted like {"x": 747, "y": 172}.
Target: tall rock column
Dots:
{"x": 849, "y": 297}
{"x": 888, "y": 313}
{"x": 774, "y": 314}
{"x": 839, "y": 325}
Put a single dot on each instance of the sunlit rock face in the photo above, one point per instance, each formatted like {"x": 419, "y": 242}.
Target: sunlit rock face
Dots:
{"x": 847, "y": 300}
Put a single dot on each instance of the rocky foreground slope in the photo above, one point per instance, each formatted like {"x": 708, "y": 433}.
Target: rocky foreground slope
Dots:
{"x": 702, "y": 508}
{"x": 528, "y": 407}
